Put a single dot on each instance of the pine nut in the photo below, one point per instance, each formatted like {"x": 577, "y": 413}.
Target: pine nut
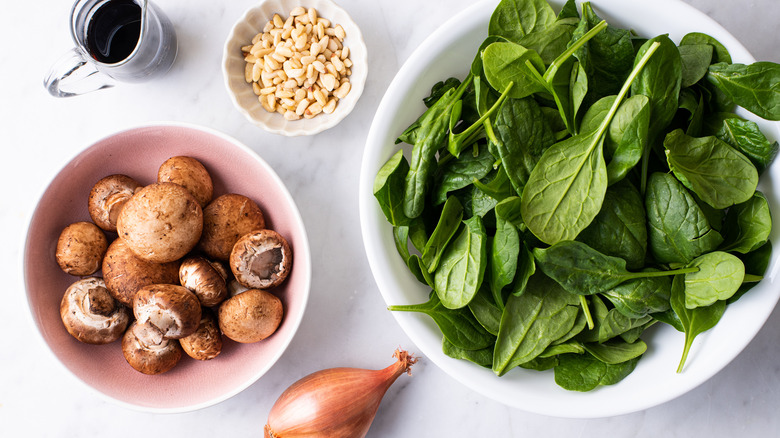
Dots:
{"x": 278, "y": 22}
{"x": 298, "y": 10}
{"x": 330, "y": 107}
{"x": 256, "y": 88}
{"x": 342, "y": 91}
{"x": 329, "y": 81}
{"x": 302, "y": 105}
{"x": 291, "y": 115}
{"x": 340, "y": 34}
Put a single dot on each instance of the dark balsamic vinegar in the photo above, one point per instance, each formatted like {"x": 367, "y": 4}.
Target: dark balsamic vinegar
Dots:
{"x": 114, "y": 30}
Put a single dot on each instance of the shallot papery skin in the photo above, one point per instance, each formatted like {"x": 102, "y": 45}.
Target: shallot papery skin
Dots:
{"x": 336, "y": 402}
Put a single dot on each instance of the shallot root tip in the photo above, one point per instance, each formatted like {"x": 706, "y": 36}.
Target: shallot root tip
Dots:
{"x": 406, "y": 359}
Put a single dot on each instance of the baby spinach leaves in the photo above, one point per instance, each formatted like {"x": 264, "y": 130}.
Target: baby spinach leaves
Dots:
{"x": 581, "y": 184}
{"x": 716, "y": 172}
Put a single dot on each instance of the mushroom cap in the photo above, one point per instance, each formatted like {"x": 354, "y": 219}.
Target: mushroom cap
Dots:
{"x": 225, "y": 220}
{"x": 147, "y": 354}
{"x": 161, "y": 223}
{"x": 107, "y": 198}
{"x": 171, "y": 309}
{"x": 206, "y": 342}
{"x": 80, "y": 248}
{"x": 190, "y": 174}
{"x": 206, "y": 279}
{"x": 250, "y": 316}
{"x": 125, "y": 273}
{"x": 90, "y": 314}
{"x": 261, "y": 259}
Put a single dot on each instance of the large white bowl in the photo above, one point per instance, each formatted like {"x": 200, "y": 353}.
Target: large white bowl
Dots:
{"x": 448, "y": 52}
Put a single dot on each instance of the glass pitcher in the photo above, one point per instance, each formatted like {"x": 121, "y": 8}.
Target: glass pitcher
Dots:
{"x": 116, "y": 41}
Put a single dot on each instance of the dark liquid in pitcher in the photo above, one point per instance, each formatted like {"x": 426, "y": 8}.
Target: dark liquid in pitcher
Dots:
{"x": 113, "y": 31}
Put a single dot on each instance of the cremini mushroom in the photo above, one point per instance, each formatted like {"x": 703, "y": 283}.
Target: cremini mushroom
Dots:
{"x": 261, "y": 259}
{"x": 80, "y": 248}
{"x": 161, "y": 223}
{"x": 125, "y": 273}
{"x": 107, "y": 198}
{"x": 225, "y": 220}
{"x": 206, "y": 279}
{"x": 250, "y": 316}
{"x": 146, "y": 352}
{"x": 171, "y": 309}
{"x": 190, "y": 174}
{"x": 206, "y": 342}
{"x": 90, "y": 314}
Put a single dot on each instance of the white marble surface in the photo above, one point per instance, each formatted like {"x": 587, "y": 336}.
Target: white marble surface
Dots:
{"x": 346, "y": 322}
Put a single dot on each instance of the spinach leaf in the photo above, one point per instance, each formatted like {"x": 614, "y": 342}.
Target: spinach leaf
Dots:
{"x": 514, "y": 19}
{"x": 419, "y": 270}
{"x": 614, "y": 352}
{"x": 678, "y": 230}
{"x": 427, "y": 136}
{"x": 449, "y": 221}
{"x": 526, "y": 267}
{"x": 439, "y": 89}
{"x": 486, "y": 311}
{"x": 608, "y": 323}
{"x": 389, "y": 189}
{"x": 696, "y": 60}
{"x": 620, "y": 228}
{"x": 755, "y": 87}
{"x": 462, "y": 266}
{"x": 457, "y": 325}
{"x": 482, "y": 357}
{"x": 660, "y": 82}
{"x": 716, "y": 172}
{"x": 719, "y": 276}
{"x": 746, "y": 137}
{"x": 756, "y": 263}
{"x": 719, "y": 53}
{"x": 552, "y": 40}
{"x": 524, "y": 136}
{"x": 401, "y": 240}
{"x": 640, "y": 297}
{"x": 566, "y": 188}
{"x": 531, "y": 322}
{"x": 694, "y": 321}
{"x": 627, "y": 137}
{"x": 569, "y": 10}
{"x": 454, "y": 174}
{"x": 508, "y": 63}
{"x": 582, "y": 270}
{"x": 607, "y": 58}
{"x": 583, "y": 372}
{"x": 504, "y": 254}
{"x": 747, "y": 225}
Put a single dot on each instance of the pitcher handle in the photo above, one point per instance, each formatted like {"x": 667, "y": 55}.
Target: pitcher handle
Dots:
{"x": 73, "y": 75}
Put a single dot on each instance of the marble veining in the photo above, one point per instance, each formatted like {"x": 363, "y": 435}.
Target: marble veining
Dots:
{"x": 346, "y": 322}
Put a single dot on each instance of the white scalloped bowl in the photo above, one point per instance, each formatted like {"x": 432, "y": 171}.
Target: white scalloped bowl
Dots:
{"x": 250, "y": 24}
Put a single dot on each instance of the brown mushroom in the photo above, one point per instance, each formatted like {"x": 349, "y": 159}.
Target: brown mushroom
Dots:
{"x": 161, "y": 223}
{"x": 225, "y": 220}
{"x": 250, "y": 316}
{"x": 125, "y": 273}
{"x": 206, "y": 342}
{"x": 91, "y": 314}
{"x": 206, "y": 279}
{"x": 148, "y": 353}
{"x": 261, "y": 259}
{"x": 190, "y": 174}
{"x": 107, "y": 198}
{"x": 80, "y": 248}
{"x": 171, "y": 309}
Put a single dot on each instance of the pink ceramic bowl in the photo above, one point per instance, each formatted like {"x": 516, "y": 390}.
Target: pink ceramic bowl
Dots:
{"x": 138, "y": 153}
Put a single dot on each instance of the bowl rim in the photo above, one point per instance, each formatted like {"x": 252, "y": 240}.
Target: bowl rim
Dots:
{"x": 345, "y": 107}
{"x": 368, "y": 211}
{"x": 305, "y": 292}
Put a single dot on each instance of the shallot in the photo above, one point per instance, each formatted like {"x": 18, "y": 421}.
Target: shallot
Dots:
{"x": 336, "y": 402}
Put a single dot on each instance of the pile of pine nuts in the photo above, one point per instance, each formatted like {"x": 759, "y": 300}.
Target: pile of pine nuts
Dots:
{"x": 299, "y": 67}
